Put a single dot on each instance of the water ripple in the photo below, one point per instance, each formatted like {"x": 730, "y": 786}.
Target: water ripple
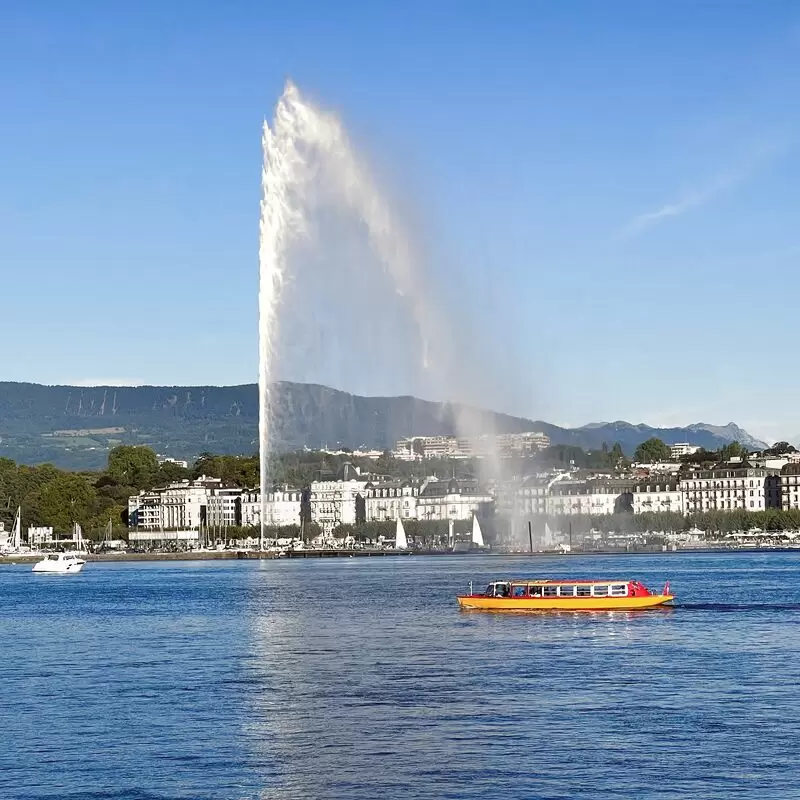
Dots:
{"x": 358, "y": 679}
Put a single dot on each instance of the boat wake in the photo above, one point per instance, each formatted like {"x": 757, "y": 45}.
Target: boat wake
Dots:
{"x": 737, "y": 607}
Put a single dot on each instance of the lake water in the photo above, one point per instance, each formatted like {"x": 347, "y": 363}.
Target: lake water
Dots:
{"x": 360, "y": 678}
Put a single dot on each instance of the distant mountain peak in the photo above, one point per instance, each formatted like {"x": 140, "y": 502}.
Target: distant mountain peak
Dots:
{"x": 731, "y": 432}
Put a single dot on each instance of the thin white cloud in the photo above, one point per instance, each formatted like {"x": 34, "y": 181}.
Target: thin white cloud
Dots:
{"x": 690, "y": 201}
{"x": 703, "y": 195}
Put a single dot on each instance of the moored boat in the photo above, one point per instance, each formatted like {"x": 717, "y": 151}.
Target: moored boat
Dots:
{"x": 565, "y": 595}
{"x": 59, "y": 564}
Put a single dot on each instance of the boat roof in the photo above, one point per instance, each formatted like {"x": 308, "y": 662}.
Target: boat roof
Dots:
{"x": 544, "y": 581}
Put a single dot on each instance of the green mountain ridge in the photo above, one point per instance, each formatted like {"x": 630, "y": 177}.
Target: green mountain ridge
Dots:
{"x": 74, "y": 427}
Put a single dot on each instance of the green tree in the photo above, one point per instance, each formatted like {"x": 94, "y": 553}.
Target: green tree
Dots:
{"x": 781, "y": 448}
{"x": 651, "y": 450}
{"x": 63, "y": 500}
{"x": 133, "y": 466}
{"x": 169, "y": 472}
{"x": 618, "y": 457}
{"x": 385, "y": 461}
{"x": 732, "y": 450}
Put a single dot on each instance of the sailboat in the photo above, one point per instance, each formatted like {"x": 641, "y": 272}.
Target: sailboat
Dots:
{"x": 77, "y": 536}
{"x": 476, "y": 543}
{"x": 477, "y": 533}
{"x": 14, "y": 547}
{"x": 16, "y": 531}
{"x": 400, "y": 538}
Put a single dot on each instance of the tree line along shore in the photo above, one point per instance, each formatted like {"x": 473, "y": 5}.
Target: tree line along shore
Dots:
{"x": 49, "y": 496}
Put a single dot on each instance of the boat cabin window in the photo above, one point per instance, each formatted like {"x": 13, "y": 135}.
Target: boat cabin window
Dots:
{"x": 584, "y": 590}
{"x": 519, "y": 591}
{"x": 535, "y": 591}
{"x": 600, "y": 591}
{"x": 550, "y": 591}
{"x": 566, "y": 591}
{"x": 619, "y": 590}
{"x": 497, "y": 590}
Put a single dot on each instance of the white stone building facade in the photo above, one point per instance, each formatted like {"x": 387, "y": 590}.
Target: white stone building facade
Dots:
{"x": 183, "y": 507}
{"x": 682, "y": 449}
{"x": 390, "y": 500}
{"x": 223, "y": 507}
{"x": 788, "y": 486}
{"x": 283, "y": 507}
{"x": 590, "y": 497}
{"x": 656, "y": 497}
{"x": 726, "y": 487}
{"x": 337, "y": 503}
{"x": 452, "y": 499}
{"x": 178, "y": 506}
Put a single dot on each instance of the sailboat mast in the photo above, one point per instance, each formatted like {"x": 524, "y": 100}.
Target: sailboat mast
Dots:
{"x": 18, "y": 529}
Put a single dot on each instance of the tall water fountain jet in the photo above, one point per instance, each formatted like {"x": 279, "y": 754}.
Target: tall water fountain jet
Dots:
{"x": 304, "y": 147}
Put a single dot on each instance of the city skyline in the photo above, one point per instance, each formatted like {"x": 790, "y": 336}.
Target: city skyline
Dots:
{"x": 604, "y": 194}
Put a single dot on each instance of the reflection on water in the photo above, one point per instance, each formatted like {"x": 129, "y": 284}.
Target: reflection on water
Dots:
{"x": 361, "y": 678}
{"x": 388, "y": 689}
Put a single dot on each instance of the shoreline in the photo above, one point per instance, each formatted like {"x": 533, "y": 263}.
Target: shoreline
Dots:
{"x": 246, "y": 555}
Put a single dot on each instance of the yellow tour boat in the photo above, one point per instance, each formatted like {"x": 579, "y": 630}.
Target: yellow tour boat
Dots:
{"x": 564, "y": 595}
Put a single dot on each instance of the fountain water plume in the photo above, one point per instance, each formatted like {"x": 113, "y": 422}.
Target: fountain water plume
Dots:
{"x": 302, "y": 144}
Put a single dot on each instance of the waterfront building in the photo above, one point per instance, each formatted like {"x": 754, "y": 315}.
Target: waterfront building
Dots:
{"x": 453, "y": 499}
{"x": 532, "y": 495}
{"x": 593, "y": 497}
{"x": 788, "y": 486}
{"x": 727, "y": 486}
{"x": 178, "y": 506}
{"x": 390, "y": 500}
{"x": 338, "y": 502}
{"x": 657, "y": 496}
{"x": 224, "y": 507}
{"x": 283, "y": 507}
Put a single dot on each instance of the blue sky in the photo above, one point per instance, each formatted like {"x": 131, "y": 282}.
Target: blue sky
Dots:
{"x": 607, "y": 189}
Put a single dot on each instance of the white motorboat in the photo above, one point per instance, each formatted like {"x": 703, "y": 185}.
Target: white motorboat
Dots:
{"x": 59, "y": 564}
